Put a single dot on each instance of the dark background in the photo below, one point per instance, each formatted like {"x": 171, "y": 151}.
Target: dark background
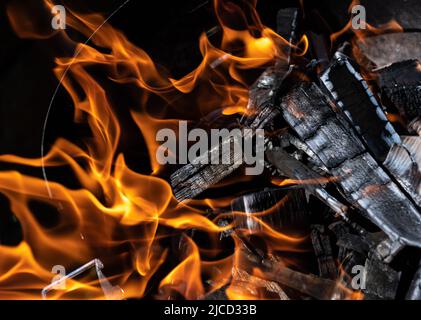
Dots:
{"x": 167, "y": 30}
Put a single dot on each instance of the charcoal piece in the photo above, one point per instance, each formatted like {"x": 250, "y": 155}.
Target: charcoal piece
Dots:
{"x": 348, "y": 240}
{"x": 404, "y": 73}
{"x": 352, "y": 249}
{"x": 404, "y": 163}
{"x": 387, "y": 249}
{"x": 385, "y": 49}
{"x": 380, "y": 280}
{"x": 364, "y": 183}
{"x": 323, "y": 251}
{"x": 401, "y": 84}
{"x": 284, "y": 210}
{"x": 245, "y": 282}
{"x": 194, "y": 178}
{"x": 353, "y": 96}
{"x": 342, "y": 231}
{"x": 360, "y": 173}
{"x": 292, "y": 168}
{"x": 414, "y": 291}
{"x": 353, "y": 242}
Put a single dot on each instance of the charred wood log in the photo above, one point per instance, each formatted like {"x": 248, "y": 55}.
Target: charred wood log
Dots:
{"x": 294, "y": 169}
{"x": 208, "y": 169}
{"x": 353, "y": 96}
{"x": 359, "y": 105}
{"x": 365, "y": 184}
{"x": 348, "y": 240}
{"x": 284, "y": 210}
{"x": 404, "y": 163}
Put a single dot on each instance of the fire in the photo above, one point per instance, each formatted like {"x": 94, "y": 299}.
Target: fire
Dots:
{"x": 121, "y": 216}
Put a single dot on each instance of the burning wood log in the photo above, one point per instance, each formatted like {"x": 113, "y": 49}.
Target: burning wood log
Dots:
{"x": 192, "y": 179}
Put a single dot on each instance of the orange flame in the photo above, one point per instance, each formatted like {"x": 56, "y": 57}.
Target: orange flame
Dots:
{"x": 117, "y": 214}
